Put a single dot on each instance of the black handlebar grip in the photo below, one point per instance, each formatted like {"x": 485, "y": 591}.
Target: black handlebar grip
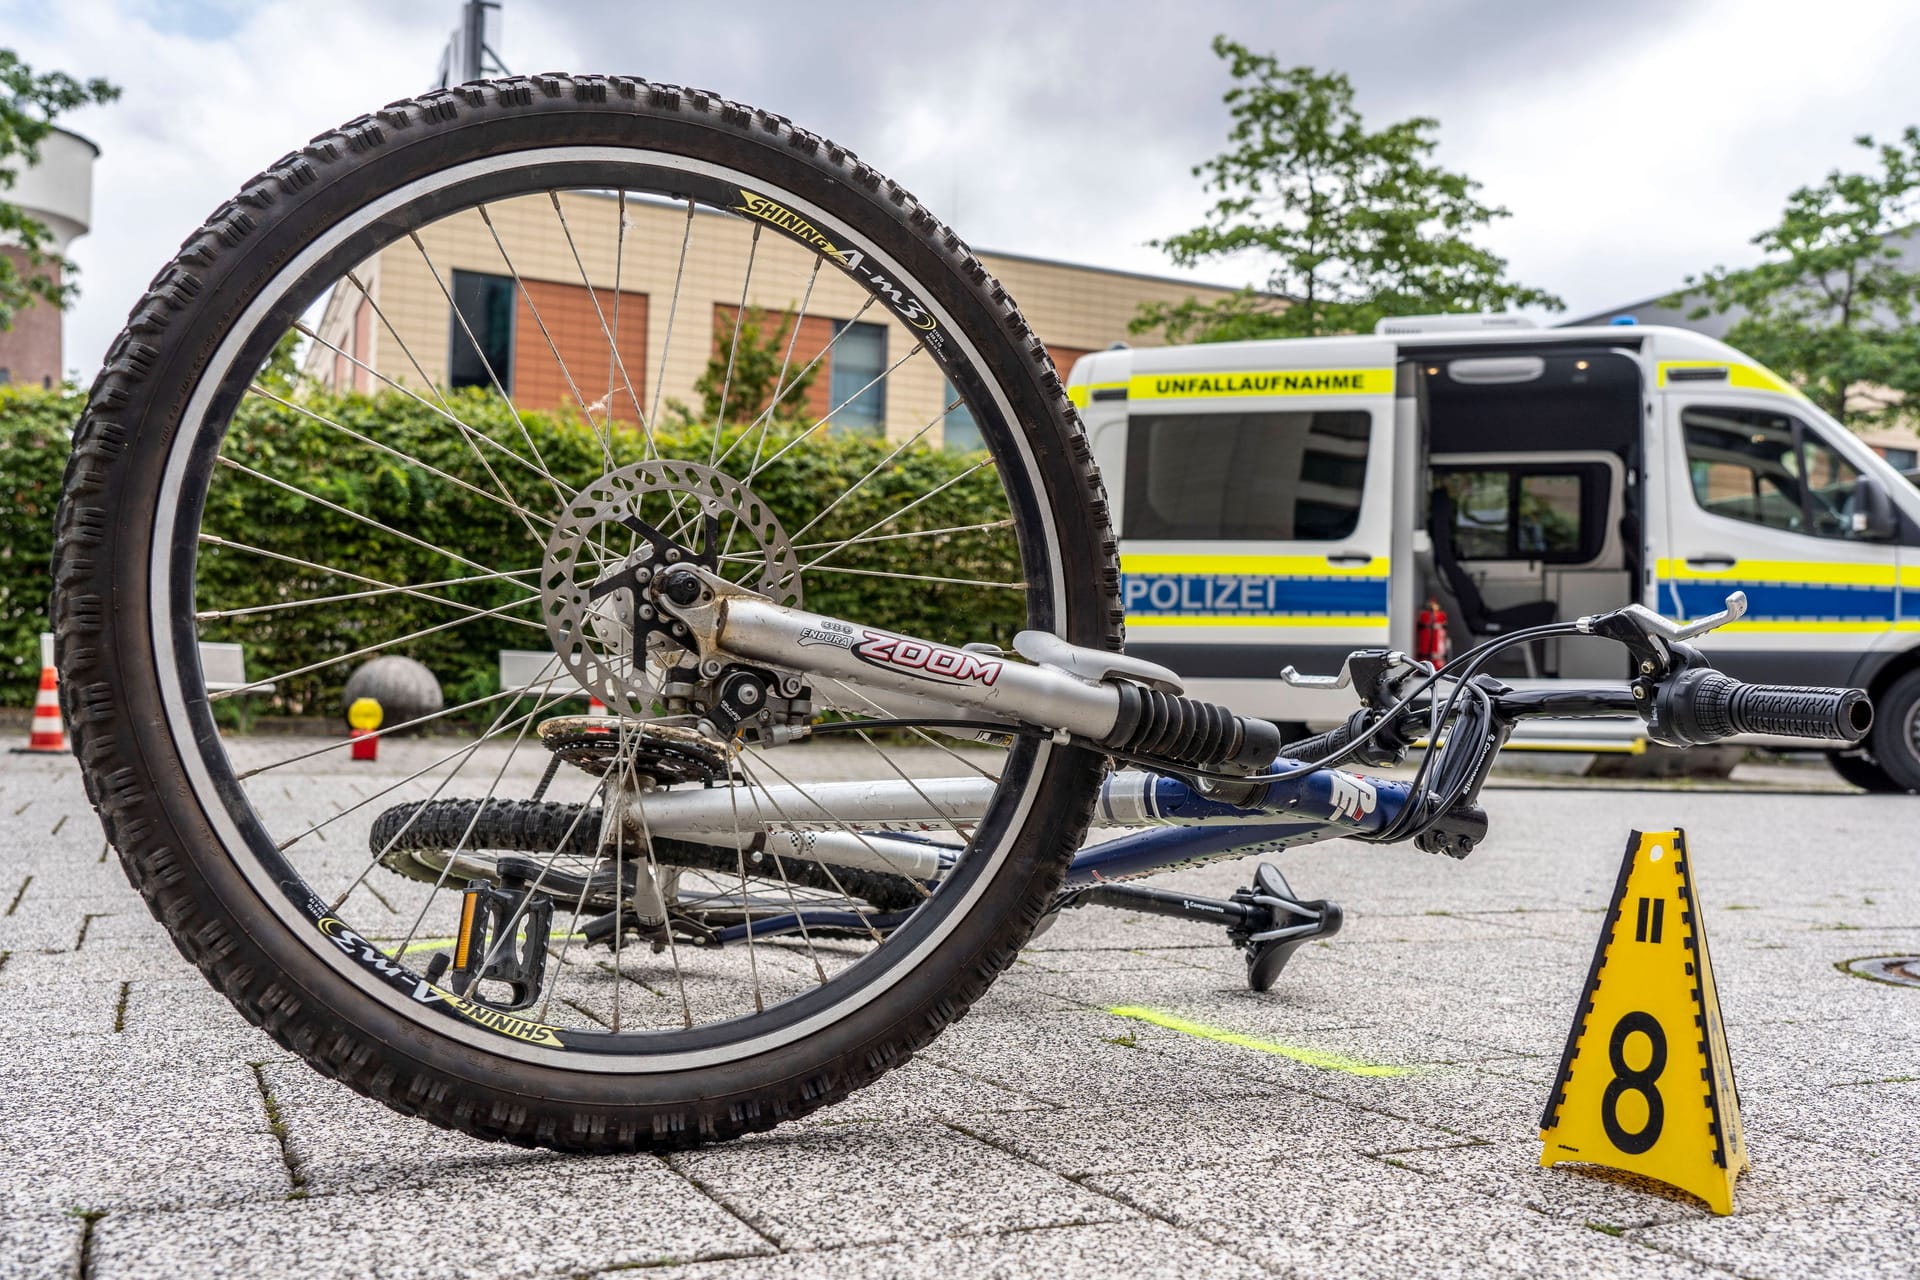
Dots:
{"x": 1701, "y": 706}
{"x": 1322, "y": 745}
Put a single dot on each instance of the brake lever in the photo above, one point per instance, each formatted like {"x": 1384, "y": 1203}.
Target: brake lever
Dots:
{"x": 1653, "y": 624}
{"x": 1289, "y": 674}
{"x": 1650, "y": 637}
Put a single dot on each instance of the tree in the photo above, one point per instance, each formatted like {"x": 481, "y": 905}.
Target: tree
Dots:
{"x": 1832, "y": 307}
{"x": 1359, "y": 224}
{"x": 750, "y": 370}
{"x": 29, "y": 104}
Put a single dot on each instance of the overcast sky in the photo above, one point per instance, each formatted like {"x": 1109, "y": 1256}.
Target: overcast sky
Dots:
{"x": 1634, "y": 142}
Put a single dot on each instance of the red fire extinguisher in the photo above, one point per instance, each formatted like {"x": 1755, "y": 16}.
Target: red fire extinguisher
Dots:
{"x": 1430, "y": 635}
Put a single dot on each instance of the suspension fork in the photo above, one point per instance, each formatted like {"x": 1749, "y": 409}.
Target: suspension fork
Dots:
{"x": 726, "y": 621}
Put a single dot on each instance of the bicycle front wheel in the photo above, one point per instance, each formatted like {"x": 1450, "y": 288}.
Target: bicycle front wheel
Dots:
{"x": 216, "y": 494}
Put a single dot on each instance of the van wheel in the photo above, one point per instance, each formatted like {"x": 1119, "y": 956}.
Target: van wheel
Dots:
{"x": 1896, "y": 732}
{"x": 1863, "y": 772}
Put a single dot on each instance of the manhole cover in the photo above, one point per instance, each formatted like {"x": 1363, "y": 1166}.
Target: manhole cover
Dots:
{"x": 1902, "y": 971}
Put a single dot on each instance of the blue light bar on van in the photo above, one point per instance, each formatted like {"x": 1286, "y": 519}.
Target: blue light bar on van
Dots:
{"x": 1623, "y": 320}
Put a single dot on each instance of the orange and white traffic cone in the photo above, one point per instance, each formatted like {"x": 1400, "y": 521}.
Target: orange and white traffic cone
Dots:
{"x": 595, "y": 707}
{"x": 49, "y": 734}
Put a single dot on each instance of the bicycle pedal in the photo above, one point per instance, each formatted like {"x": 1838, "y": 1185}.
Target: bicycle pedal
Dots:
{"x": 1290, "y": 922}
{"x": 485, "y": 951}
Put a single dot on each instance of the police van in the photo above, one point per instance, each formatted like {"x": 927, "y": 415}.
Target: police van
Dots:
{"x": 1285, "y": 502}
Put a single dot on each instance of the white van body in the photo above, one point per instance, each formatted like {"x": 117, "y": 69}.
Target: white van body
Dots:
{"x": 1274, "y": 501}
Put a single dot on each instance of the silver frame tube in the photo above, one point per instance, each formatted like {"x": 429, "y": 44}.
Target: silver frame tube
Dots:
{"x": 795, "y": 640}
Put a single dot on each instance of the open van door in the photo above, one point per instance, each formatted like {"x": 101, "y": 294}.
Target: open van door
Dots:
{"x": 1765, "y": 497}
{"x": 1255, "y": 513}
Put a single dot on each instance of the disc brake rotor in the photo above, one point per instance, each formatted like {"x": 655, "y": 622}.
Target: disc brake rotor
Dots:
{"x": 605, "y": 553}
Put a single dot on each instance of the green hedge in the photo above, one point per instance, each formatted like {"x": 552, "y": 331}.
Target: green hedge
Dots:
{"x": 35, "y": 426}
{"x": 298, "y": 449}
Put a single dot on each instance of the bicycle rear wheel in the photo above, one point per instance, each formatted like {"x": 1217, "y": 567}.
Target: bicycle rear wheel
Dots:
{"x": 201, "y": 475}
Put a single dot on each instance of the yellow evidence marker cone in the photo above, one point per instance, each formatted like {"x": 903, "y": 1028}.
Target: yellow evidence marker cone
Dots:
{"x": 1645, "y": 1084}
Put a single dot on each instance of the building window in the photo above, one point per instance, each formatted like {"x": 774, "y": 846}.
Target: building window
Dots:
{"x": 1902, "y": 459}
{"x": 958, "y": 432}
{"x": 859, "y": 357}
{"x": 1246, "y": 476}
{"x": 485, "y": 303}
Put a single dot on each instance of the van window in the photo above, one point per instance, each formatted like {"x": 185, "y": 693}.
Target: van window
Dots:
{"x": 1246, "y": 476}
{"x": 1768, "y": 469}
{"x": 1532, "y": 511}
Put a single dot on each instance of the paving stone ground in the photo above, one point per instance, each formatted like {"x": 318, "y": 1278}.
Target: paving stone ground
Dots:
{"x": 147, "y": 1130}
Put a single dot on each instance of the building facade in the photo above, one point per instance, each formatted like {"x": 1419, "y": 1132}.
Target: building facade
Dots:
{"x": 58, "y": 192}
{"x": 540, "y": 298}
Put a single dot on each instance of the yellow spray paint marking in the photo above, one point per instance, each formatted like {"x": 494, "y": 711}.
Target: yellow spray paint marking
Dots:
{"x": 1311, "y": 1057}
{"x": 1645, "y": 1083}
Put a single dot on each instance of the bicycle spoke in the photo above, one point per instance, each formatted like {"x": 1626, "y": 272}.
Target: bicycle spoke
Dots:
{"x": 780, "y": 868}
{"x": 493, "y": 375}
{"x": 946, "y": 531}
{"x": 766, "y": 414}
{"x": 460, "y": 845}
{"x": 523, "y": 721}
{"x": 351, "y": 514}
{"x": 673, "y": 950}
{"x": 614, "y": 360}
{"x": 842, "y": 823}
{"x": 525, "y": 515}
{"x": 214, "y": 540}
{"x": 340, "y": 744}
{"x": 934, "y": 492}
{"x": 324, "y": 663}
{"x": 673, "y": 309}
{"x": 765, "y": 420}
{"x": 833, "y": 412}
{"x": 599, "y": 430}
{"x": 467, "y": 433}
{"x": 444, "y": 410}
{"x": 465, "y": 753}
{"x": 888, "y": 573}
{"x": 418, "y": 592}
{"x": 740, "y": 853}
{"x": 873, "y": 471}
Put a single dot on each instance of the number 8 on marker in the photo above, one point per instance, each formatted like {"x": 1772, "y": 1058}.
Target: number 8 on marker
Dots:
{"x": 1627, "y": 1080}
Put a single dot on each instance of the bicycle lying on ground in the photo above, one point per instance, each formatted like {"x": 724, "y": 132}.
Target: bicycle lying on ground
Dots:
{"x": 806, "y": 843}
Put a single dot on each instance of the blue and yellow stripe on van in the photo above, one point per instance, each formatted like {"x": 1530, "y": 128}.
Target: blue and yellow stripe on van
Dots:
{"x": 1252, "y": 591}
{"x": 1794, "y": 597}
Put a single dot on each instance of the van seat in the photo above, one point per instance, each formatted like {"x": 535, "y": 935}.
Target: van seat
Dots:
{"x": 1479, "y": 620}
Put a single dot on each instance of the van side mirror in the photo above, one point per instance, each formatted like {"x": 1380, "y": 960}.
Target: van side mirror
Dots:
{"x": 1873, "y": 517}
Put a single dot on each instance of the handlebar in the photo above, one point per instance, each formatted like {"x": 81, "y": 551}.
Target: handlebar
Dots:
{"x": 1693, "y": 707}
{"x": 1322, "y": 745}
{"x": 1677, "y": 693}
{"x": 1701, "y": 706}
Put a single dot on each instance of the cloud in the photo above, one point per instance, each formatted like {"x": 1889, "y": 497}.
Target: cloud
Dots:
{"x": 1634, "y": 142}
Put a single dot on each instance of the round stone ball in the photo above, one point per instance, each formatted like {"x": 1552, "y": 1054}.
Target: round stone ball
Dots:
{"x": 403, "y": 687}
